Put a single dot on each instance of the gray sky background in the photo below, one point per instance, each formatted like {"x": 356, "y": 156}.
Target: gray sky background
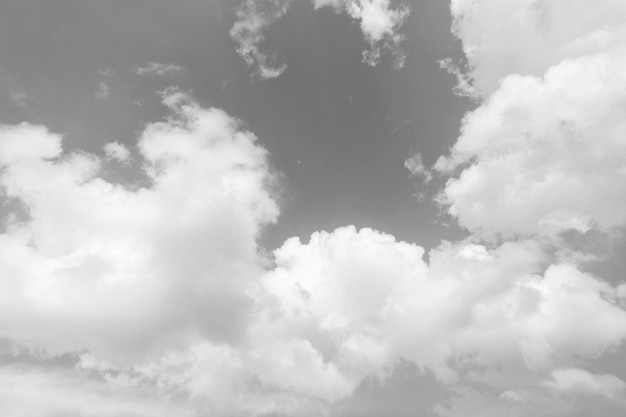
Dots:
{"x": 166, "y": 276}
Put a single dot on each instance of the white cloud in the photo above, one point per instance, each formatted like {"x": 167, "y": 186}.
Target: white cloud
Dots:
{"x": 360, "y": 301}
{"x": 346, "y": 305}
{"x": 158, "y": 69}
{"x": 542, "y": 157}
{"x": 159, "y": 294}
{"x": 123, "y": 271}
{"x": 527, "y": 37}
{"x": 544, "y": 152}
{"x": 116, "y": 151}
{"x": 416, "y": 167}
{"x": 253, "y": 19}
{"x": 380, "y": 24}
{"x": 350, "y": 304}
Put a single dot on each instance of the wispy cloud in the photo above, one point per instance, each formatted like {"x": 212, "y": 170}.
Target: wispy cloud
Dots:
{"x": 116, "y": 151}
{"x": 103, "y": 91}
{"x": 380, "y": 24}
{"x": 416, "y": 167}
{"x": 253, "y": 18}
{"x": 106, "y": 73}
{"x": 19, "y": 98}
{"x": 158, "y": 69}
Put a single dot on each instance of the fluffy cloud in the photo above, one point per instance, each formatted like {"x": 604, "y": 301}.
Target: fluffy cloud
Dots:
{"x": 122, "y": 270}
{"x": 544, "y": 153}
{"x": 527, "y": 37}
{"x": 158, "y": 293}
{"x": 152, "y": 298}
{"x": 346, "y": 305}
{"x": 540, "y": 159}
{"x": 350, "y": 304}
{"x": 117, "y": 152}
{"x": 416, "y": 167}
{"x": 380, "y": 24}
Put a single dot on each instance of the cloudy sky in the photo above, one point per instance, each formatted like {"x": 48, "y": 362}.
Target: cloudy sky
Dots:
{"x": 341, "y": 208}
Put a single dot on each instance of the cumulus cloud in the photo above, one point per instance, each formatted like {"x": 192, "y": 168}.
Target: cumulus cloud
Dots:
{"x": 342, "y": 307}
{"x": 359, "y": 301}
{"x": 380, "y": 24}
{"x": 540, "y": 159}
{"x": 121, "y": 271}
{"x": 543, "y": 153}
{"x": 527, "y": 37}
{"x": 154, "y": 298}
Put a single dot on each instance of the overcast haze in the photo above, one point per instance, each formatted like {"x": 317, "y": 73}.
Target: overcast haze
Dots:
{"x": 312, "y": 208}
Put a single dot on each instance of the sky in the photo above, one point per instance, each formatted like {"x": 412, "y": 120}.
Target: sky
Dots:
{"x": 336, "y": 208}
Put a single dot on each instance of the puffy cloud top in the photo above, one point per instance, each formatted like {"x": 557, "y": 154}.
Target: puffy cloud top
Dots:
{"x": 545, "y": 154}
{"x": 527, "y": 37}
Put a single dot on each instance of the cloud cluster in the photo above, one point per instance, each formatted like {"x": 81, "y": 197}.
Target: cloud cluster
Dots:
{"x": 542, "y": 158}
{"x": 380, "y": 24}
{"x": 153, "y": 298}
{"x": 342, "y": 307}
{"x": 498, "y": 319}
